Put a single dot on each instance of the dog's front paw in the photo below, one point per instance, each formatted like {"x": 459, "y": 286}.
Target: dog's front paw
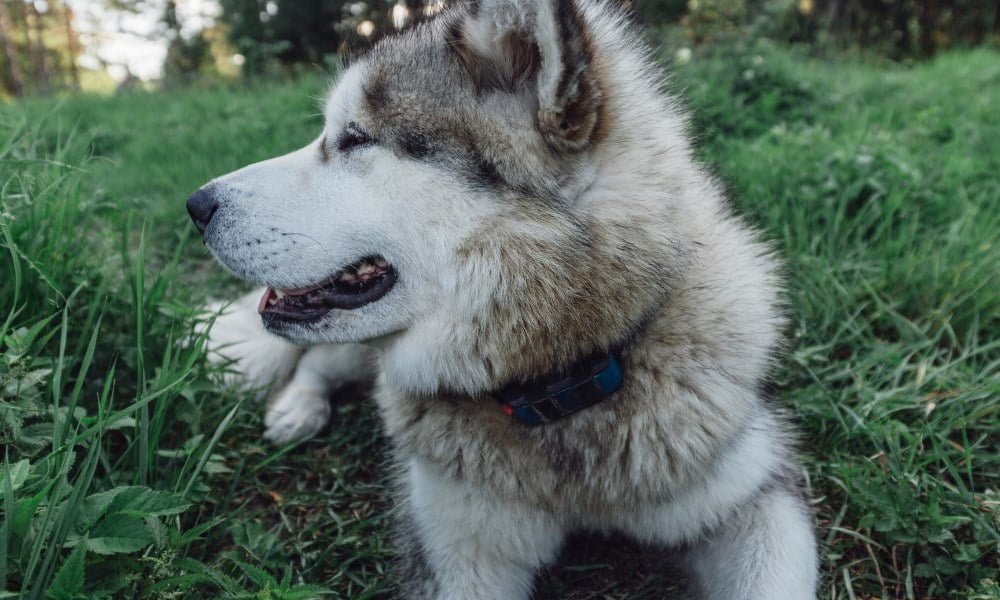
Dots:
{"x": 237, "y": 338}
{"x": 297, "y": 413}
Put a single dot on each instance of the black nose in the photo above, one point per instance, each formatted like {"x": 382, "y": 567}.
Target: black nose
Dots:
{"x": 201, "y": 206}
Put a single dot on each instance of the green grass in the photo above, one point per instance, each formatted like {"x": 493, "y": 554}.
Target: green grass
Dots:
{"x": 128, "y": 473}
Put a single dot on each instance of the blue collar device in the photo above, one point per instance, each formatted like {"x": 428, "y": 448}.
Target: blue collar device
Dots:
{"x": 551, "y": 398}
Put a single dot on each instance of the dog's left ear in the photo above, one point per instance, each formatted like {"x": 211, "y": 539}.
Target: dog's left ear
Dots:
{"x": 546, "y": 43}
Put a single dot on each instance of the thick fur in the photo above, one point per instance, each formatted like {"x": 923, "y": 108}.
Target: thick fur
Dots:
{"x": 302, "y": 380}
{"x": 537, "y": 194}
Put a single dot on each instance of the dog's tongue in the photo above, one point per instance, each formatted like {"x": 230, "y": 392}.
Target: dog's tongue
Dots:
{"x": 268, "y": 294}
{"x": 278, "y": 295}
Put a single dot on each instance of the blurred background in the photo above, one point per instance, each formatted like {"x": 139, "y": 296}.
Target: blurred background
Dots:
{"x": 56, "y": 46}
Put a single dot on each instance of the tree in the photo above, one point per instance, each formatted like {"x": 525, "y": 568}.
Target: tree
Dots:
{"x": 283, "y": 32}
{"x": 38, "y": 47}
{"x": 43, "y": 79}
{"x": 186, "y": 59}
{"x": 910, "y": 27}
{"x": 72, "y": 46}
{"x": 10, "y": 78}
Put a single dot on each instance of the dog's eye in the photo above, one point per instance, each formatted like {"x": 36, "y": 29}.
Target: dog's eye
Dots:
{"x": 353, "y": 137}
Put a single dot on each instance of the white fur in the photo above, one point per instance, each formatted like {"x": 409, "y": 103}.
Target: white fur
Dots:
{"x": 302, "y": 408}
{"x": 767, "y": 552}
{"x": 479, "y": 547}
{"x": 236, "y": 337}
{"x": 738, "y": 476}
{"x": 298, "y": 412}
{"x": 773, "y": 531}
{"x": 303, "y": 379}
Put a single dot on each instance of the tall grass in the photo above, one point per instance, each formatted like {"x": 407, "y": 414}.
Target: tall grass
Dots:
{"x": 98, "y": 465}
{"x": 883, "y": 188}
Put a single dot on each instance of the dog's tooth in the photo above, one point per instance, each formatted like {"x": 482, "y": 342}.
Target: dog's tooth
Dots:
{"x": 279, "y": 293}
{"x": 345, "y": 276}
{"x": 381, "y": 263}
{"x": 365, "y": 268}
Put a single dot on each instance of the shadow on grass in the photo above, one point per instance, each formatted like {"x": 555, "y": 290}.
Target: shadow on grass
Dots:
{"x": 595, "y": 566}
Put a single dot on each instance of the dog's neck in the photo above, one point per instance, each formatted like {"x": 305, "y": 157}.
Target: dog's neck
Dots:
{"x": 557, "y": 395}
{"x": 587, "y": 382}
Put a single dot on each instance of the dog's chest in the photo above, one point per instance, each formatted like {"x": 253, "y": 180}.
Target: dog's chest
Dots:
{"x": 589, "y": 462}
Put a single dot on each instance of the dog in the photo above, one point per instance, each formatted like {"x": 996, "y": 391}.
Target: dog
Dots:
{"x": 503, "y": 223}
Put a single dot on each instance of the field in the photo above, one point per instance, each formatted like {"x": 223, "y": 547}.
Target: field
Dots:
{"x": 129, "y": 472}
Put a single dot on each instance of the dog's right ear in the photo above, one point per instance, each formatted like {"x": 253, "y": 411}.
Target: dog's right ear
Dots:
{"x": 510, "y": 44}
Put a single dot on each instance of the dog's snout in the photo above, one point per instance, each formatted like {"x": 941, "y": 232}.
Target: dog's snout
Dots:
{"x": 202, "y": 206}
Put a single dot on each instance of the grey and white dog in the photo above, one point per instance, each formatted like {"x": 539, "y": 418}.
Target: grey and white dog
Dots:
{"x": 500, "y": 195}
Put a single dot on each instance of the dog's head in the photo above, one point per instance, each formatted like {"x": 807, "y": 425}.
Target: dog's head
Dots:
{"x": 467, "y": 205}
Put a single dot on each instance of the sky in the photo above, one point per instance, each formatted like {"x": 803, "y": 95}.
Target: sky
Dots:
{"x": 134, "y": 41}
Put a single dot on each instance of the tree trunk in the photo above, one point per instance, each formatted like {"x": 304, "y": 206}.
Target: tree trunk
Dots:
{"x": 928, "y": 16}
{"x": 71, "y": 46}
{"x": 43, "y": 75}
{"x": 16, "y": 83}
{"x": 29, "y": 47}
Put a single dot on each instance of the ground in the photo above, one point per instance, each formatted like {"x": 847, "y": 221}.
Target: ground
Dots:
{"x": 130, "y": 473}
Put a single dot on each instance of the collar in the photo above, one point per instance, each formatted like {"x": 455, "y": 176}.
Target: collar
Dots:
{"x": 553, "y": 397}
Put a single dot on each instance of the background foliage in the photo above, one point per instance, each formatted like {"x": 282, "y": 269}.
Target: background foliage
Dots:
{"x": 39, "y": 46}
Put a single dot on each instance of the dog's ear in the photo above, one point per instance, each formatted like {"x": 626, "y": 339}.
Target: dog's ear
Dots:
{"x": 510, "y": 44}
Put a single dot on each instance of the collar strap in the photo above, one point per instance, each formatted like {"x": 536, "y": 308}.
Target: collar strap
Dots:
{"x": 549, "y": 399}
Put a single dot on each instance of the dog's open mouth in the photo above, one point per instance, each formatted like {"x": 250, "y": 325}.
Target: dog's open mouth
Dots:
{"x": 354, "y": 286}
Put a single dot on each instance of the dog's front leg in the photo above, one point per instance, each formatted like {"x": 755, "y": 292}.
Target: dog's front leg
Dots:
{"x": 301, "y": 409}
{"x": 767, "y": 552}
{"x": 459, "y": 542}
{"x": 237, "y": 338}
